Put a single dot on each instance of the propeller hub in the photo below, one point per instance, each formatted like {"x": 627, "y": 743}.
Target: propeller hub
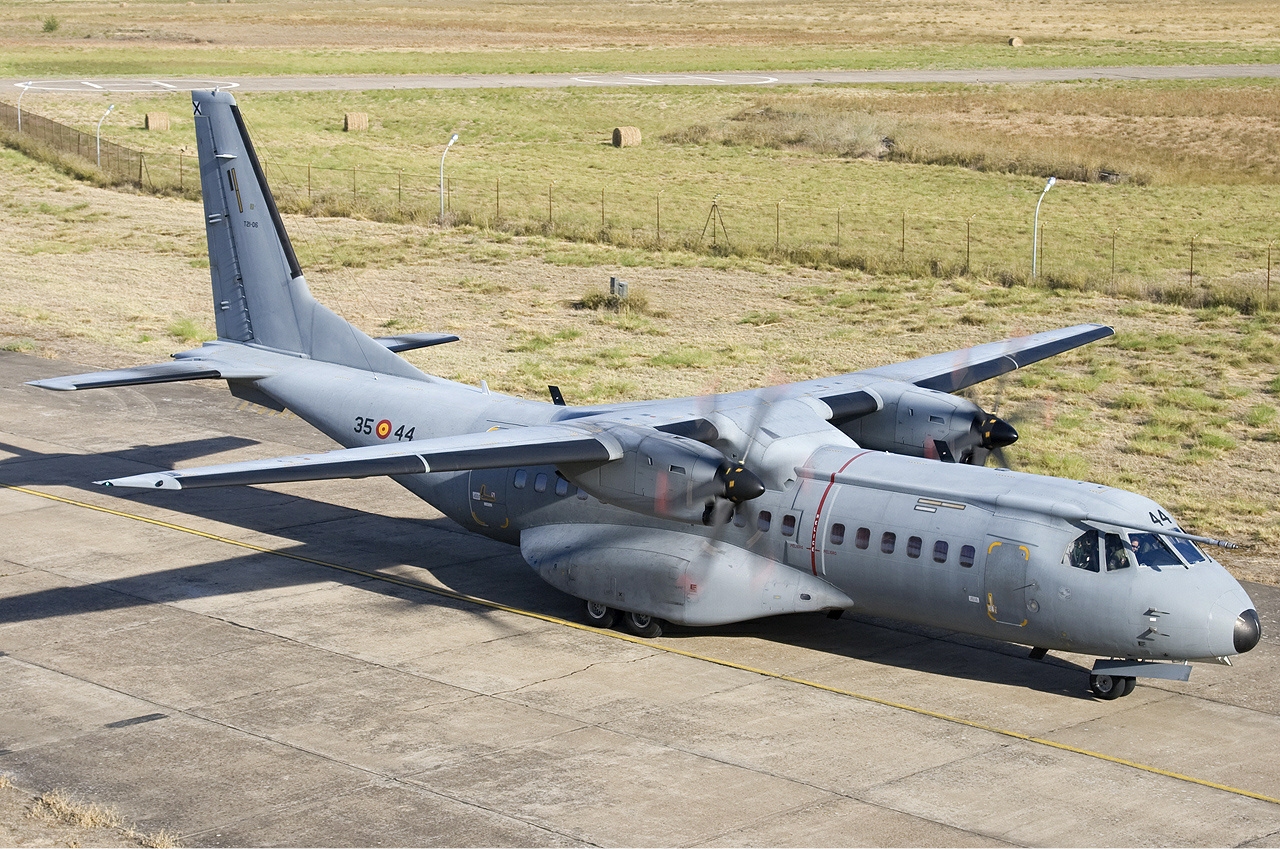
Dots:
{"x": 996, "y": 433}
{"x": 740, "y": 483}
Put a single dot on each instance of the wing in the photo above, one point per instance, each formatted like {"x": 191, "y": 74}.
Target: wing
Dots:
{"x": 956, "y": 370}
{"x": 493, "y": 449}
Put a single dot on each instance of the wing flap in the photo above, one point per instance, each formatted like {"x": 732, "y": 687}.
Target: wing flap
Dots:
{"x": 533, "y": 446}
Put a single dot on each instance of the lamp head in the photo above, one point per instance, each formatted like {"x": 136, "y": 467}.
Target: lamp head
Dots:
{"x": 454, "y": 139}
{"x": 111, "y": 108}
{"x": 1049, "y": 185}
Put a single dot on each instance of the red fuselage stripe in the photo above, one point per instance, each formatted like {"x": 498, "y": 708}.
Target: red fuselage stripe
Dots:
{"x": 817, "y": 515}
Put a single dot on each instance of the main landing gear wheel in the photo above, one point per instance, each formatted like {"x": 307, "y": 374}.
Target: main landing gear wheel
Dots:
{"x": 600, "y": 615}
{"x": 1111, "y": 686}
{"x": 642, "y": 625}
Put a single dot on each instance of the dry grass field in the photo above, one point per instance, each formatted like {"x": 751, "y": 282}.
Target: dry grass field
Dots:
{"x": 1181, "y": 405}
{"x": 53, "y": 37}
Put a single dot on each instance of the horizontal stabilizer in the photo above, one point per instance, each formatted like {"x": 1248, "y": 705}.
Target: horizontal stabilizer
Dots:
{"x": 185, "y": 369}
{"x": 532, "y": 446}
{"x": 413, "y": 341}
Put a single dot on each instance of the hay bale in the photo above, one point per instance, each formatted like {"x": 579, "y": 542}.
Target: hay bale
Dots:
{"x": 355, "y": 122}
{"x": 156, "y": 121}
{"x": 626, "y": 136}
{"x": 1015, "y": 42}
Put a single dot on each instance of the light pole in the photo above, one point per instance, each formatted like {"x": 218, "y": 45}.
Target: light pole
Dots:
{"x": 24, "y": 87}
{"x": 1035, "y": 230}
{"x": 110, "y": 109}
{"x": 442, "y": 156}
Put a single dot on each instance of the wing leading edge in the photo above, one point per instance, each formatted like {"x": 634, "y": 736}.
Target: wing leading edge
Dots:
{"x": 489, "y": 450}
{"x": 957, "y": 370}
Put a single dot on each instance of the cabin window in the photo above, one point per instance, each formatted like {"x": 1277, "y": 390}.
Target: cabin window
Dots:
{"x": 540, "y": 482}
{"x": 863, "y": 538}
{"x": 1152, "y": 552}
{"x": 521, "y": 478}
{"x": 887, "y": 542}
{"x": 837, "y": 534}
{"x": 562, "y": 487}
{"x": 1083, "y": 552}
{"x": 763, "y": 520}
{"x": 788, "y": 525}
{"x": 967, "y": 553}
{"x": 940, "y": 551}
{"x": 1186, "y": 548}
{"x": 913, "y": 547}
{"x": 1117, "y": 556}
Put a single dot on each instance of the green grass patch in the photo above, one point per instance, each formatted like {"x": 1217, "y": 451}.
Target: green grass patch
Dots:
{"x": 190, "y": 330}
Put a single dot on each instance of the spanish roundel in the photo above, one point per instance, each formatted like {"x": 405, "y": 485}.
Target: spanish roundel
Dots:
{"x": 384, "y": 429}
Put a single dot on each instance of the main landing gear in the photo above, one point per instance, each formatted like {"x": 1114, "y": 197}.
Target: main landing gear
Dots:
{"x": 640, "y": 624}
{"x": 1111, "y": 686}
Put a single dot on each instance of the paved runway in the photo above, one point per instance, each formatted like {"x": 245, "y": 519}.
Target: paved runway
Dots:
{"x": 373, "y": 82}
{"x": 242, "y": 697}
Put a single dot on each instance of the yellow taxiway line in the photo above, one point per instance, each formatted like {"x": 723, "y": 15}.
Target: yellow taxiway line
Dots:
{"x": 493, "y": 605}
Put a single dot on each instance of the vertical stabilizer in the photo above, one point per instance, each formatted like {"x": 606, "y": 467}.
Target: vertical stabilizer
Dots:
{"x": 259, "y": 293}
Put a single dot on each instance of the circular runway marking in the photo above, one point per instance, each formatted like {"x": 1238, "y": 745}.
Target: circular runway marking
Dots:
{"x": 122, "y": 86}
{"x": 778, "y": 676}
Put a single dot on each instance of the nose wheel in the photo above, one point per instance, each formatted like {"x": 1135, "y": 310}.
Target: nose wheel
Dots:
{"x": 1109, "y": 687}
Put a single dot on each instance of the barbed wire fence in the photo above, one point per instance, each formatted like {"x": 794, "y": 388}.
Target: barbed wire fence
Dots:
{"x": 996, "y": 244}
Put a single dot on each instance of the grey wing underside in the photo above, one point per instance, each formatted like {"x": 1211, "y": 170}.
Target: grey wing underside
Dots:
{"x": 539, "y": 445}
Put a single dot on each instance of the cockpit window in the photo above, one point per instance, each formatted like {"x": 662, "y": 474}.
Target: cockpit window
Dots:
{"x": 1152, "y": 552}
{"x": 1187, "y": 549}
{"x": 1117, "y": 556}
{"x": 1083, "y": 553}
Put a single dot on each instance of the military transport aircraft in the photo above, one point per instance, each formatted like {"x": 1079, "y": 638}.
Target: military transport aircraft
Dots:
{"x": 864, "y": 492}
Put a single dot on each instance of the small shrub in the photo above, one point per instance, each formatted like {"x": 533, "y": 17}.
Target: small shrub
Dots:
{"x": 189, "y": 330}
{"x": 50, "y": 24}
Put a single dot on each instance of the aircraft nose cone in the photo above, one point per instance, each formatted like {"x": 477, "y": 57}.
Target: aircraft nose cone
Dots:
{"x": 997, "y": 433}
{"x": 1248, "y": 631}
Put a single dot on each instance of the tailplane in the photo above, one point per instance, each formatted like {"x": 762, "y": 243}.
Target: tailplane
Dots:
{"x": 260, "y": 296}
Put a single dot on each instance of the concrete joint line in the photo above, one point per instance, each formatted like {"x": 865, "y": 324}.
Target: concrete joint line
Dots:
{"x": 555, "y": 620}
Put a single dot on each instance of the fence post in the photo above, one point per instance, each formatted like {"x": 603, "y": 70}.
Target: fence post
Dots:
{"x": 551, "y": 221}
{"x": 657, "y": 205}
{"x": 967, "y": 222}
{"x": 1113, "y": 254}
{"x": 903, "y": 248}
{"x": 180, "y": 184}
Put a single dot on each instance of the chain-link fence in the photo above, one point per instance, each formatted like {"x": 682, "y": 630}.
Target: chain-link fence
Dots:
{"x": 922, "y": 240}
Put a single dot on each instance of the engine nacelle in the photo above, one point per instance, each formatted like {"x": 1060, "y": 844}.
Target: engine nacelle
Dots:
{"x": 665, "y": 476}
{"x": 925, "y": 423}
{"x": 676, "y": 576}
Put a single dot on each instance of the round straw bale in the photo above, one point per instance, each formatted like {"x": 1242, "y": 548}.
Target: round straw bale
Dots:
{"x": 626, "y": 136}
{"x": 354, "y": 122}
{"x": 1015, "y": 42}
{"x": 156, "y": 121}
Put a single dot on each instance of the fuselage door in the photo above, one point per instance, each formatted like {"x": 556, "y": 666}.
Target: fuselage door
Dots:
{"x": 488, "y": 494}
{"x": 1005, "y": 579}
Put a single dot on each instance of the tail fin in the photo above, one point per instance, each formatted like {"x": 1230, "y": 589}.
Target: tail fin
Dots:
{"x": 259, "y": 293}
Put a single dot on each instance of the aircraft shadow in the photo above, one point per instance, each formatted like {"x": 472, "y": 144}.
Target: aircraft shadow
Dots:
{"x": 460, "y": 560}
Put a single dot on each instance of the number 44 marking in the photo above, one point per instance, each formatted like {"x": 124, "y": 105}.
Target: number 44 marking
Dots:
{"x": 368, "y": 426}
{"x": 1160, "y": 519}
